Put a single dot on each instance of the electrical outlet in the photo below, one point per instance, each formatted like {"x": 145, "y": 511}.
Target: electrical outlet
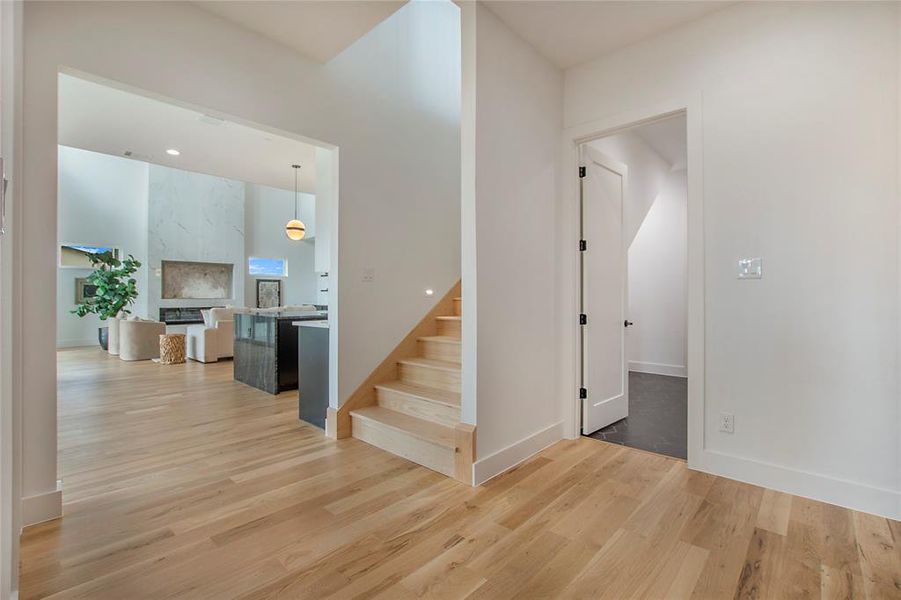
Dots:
{"x": 727, "y": 422}
{"x": 368, "y": 275}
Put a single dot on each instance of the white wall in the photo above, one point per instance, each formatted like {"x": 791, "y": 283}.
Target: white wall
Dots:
{"x": 658, "y": 271}
{"x": 102, "y": 202}
{"x": 266, "y": 212}
{"x": 799, "y": 140}
{"x": 655, "y": 219}
{"x": 647, "y": 175}
{"x": 518, "y": 118}
{"x": 391, "y": 102}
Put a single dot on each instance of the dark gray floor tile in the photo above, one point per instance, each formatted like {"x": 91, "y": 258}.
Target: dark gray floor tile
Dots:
{"x": 658, "y": 416}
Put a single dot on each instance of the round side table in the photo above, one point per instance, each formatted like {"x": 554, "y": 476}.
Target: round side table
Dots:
{"x": 172, "y": 348}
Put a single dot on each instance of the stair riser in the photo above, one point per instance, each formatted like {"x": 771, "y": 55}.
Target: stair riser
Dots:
{"x": 449, "y": 328}
{"x": 437, "y": 458}
{"x": 429, "y": 377}
{"x": 417, "y": 407}
{"x": 458, "y": 307}
{"x": 439, "y": 350}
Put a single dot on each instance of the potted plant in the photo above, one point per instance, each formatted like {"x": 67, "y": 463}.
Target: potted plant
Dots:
{"x": 114, "y": 290}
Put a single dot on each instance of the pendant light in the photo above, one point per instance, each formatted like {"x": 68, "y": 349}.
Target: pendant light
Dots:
{"x": 295, "y": 229}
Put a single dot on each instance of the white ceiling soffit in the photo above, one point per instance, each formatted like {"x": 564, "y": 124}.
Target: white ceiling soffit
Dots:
{"x": 318, "y": 29}
{"x": 108, "y": 120}
{"x": 668, "y": 138}
{"x": 570, "y": 32}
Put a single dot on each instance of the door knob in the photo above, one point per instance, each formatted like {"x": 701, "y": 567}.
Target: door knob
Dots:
{"x": 626, "y": 323}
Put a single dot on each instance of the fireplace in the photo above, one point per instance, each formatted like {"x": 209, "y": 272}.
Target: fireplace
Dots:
{"x": 183, "y": 315}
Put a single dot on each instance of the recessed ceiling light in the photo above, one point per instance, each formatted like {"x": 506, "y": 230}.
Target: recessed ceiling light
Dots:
{"x": 172, "y": 152}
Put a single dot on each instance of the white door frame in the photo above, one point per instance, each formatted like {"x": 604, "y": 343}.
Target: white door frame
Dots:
{"x": 11, "y": 19}
{"x": 567, "y": 246}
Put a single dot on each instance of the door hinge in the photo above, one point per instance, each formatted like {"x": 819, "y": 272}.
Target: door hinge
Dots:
{"x": 583, "y": 245}
{"x": 583, "y": 319}
{"x": 581, "y": 171}
{"x": 583, "y": 393}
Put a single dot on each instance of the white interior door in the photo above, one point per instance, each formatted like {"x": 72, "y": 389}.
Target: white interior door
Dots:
{"x": 604, "y": 271}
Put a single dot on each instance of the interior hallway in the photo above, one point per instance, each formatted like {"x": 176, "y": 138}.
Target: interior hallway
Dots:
{"x": 180, "y": 482}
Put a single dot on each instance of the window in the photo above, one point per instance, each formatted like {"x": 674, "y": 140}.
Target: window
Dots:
{"x": 269, "y": 267}
{"x": 78, "y": 256}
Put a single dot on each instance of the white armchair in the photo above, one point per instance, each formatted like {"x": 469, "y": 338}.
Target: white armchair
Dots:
{"x": 139, "y": 339}
{"x": 214, "y": 339}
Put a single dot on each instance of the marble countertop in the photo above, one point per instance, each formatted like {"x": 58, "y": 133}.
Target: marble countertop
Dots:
{"x": 320, "y": 324}
{"x": 295, "y": 315}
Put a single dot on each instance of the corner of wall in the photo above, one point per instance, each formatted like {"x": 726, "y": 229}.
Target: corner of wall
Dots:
{"x": 43, "y": 507}
{"x": 506, "y": 458}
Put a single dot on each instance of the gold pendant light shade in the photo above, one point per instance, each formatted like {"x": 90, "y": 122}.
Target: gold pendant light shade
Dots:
{"x": 295, "y": 230}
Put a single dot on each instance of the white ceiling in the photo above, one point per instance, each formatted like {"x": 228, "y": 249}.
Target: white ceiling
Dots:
{"x": 318, "y": 29}
{"x": 667, "y": 138}
{"x": 104, "y": 119}
{"x": 570, "y": 32}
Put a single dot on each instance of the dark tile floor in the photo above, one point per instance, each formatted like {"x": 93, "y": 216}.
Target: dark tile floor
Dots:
{"x": 658, "y": 416}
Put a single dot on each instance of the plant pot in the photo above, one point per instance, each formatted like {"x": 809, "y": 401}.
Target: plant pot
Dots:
{"x": 103, "y": 337}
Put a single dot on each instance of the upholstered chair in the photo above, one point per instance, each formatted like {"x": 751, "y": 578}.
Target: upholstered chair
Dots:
{"x": 214, "y": 339}
{"x": 140, "y": 340}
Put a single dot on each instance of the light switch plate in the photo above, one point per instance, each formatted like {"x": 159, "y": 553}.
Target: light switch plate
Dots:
{"x": 750, "y": 268}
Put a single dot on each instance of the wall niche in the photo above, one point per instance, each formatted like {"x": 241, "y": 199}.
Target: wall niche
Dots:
{"x": 197, "y": 280}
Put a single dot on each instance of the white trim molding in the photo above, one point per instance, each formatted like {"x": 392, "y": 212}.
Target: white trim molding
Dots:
{"x": 841, "y": 492}
{"x": 517, "y": 452}
{"x": 43, "y": 507}
{"x": 658, "y": 368}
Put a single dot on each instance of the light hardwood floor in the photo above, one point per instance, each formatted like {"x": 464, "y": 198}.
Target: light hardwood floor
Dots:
{"x": 180, "y": 483}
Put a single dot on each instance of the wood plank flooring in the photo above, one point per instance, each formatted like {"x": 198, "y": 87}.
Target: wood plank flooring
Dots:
{"x": 181, "y": 483}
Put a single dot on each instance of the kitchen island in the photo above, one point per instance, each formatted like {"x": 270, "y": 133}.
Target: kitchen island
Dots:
{"x": 266, "y": 348}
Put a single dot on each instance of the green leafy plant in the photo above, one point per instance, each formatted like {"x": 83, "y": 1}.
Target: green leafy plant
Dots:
{"x": 116, "y": 288}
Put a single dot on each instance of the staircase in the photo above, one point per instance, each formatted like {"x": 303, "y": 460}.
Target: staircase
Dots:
{"x": 416, "y": 414}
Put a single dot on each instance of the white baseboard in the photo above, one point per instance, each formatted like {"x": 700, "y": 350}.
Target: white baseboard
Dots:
{"x": 507, "y": 458}
{"x": 77, "y": 343}
{"x": 841, "y": 492}
{"x": 43, "y": 507}
{"x": 658, "y": 368}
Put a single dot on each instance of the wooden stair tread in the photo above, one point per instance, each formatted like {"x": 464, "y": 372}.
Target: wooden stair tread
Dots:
{"x": 449, "y": 318}
{"x": 424, "y": 392}
{"x": 418, "y": 428}
{"x": 444, "y": 339}
{"x": 430, "y": 363}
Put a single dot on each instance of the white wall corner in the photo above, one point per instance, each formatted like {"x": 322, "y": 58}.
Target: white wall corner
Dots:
{"x": 510, "y": 456}
{"x": 43, "y": 507}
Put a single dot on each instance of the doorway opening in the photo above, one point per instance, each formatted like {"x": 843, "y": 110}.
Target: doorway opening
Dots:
{"x": 194, "y": 257}
{"x": 634, "y": 287}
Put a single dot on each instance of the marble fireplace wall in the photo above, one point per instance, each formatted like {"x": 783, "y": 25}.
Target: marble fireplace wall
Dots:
{"x": 196, "y": 218}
